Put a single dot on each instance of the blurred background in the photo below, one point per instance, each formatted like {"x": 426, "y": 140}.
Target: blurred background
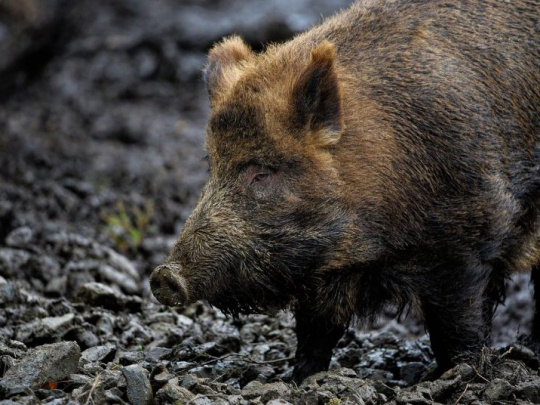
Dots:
{"x": 102, "y": 111}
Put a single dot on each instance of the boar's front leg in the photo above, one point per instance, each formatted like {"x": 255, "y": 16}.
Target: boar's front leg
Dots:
{"x": 317, "y": 337}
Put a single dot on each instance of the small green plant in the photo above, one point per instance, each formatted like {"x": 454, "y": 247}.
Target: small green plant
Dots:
{"x": 126, "y": 226}
{"x": 334, "y": 401}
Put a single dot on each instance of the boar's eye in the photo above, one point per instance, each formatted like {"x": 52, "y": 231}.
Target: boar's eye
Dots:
{"x": 257, "y": 174}
{"x": 260, "y": 177}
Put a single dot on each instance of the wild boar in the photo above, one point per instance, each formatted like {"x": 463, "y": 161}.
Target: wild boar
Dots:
{"x": 389, "y": 156}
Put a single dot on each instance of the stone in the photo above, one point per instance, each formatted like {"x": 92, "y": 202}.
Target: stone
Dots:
{"x": 411, "y": 372}
{"x": 120, "y": 279}
{"x": 11, "y": 261}
{"x": 111, "y": 378}
{"x": 51, "y": 362}
{"x": 104, "y": 354}
{"x": 139, "y": 390}
{"x": 20, "y": 237}
{"x": 412, "y": 398}
{"x": 173, "y": 393}
{"x": 498, "y": 389}
{"x": 86, "y": 337}
{"x": 157, "y": 353}
{"x": 57, "y": 286}
{"x": 122, "y": 263}
{"x": 101, "y": 295}
{"x": 47, "y": 328}
{"x": 79, "y": 380}
{"x": 267, "y": 392}
{"x": 130, "y": 357}
{"x": 529, "y": 390}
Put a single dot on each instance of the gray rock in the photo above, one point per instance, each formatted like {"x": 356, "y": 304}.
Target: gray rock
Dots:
{"x": 172, "y": 393}
{"x": 161, "y": 378}
{"x": 463, "y": 370}
{"x": 11, "y": 261}
{"x": 57, "y": 286}
{"x": 20, "y": 237}
{"x": 77, "y": 277}
{"x": 48, "y": 362}
{"x": 111, "y": 378}
{"x": 412, "y": 398}
{"x": 103, "y": 354}
{"x": 13, "y": 348}
{"x": 118, "y": 278}
{"x": 101, "y": 295}
{"x": 204, "y": 400}
{"x": 529, "y": 390}
{"x": 78, "y": 380}
{"x": 139, "y": 391}
{"x": 105, "y": 324}
{"x": 498, "y": 389}
{"x": 411, "y": 372}
{"x": 113, "y": 396}
{"x": 267, "y": 392}
{"x": 6, "y": 362}
{"x": 49, "y": 328}
{"x": 190, "y": 381}
{"x": 10, "y": 294}
{"x": 157, "y": 353}
{"x": 27, "y": 398}
{"x": 122, "y": 263}
{"x": 130, "y": 357}
{"x": 86, "y": 337}
{"x": 278, "y": 402}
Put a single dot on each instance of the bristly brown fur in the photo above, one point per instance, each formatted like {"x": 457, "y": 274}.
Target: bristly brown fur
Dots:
{"x": 390, "y": 155}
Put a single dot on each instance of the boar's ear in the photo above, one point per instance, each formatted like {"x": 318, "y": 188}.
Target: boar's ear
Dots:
{"x": 316, "y": 95}
{"x": 223, "y": 66}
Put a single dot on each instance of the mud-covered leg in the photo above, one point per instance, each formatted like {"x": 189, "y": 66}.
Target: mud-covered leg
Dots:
{"x": 453, "y": 311}
{"x": 316, "y": 339}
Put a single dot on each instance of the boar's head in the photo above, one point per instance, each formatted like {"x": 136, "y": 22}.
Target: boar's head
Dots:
{"x": 271, "y": 213}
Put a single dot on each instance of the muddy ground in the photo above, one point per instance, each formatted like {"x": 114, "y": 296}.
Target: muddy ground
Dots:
{"x": 102, "y": 116}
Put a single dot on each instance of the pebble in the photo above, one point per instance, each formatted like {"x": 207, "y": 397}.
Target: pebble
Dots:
{"x": 104, "y": 354}
{"x": 139, "y": 390}
{"x": 11, "y": 261}
{"x": 174, "y": 393}
{"x": 101, "y": 295}
{"x": 47, "y": 328}
{"x": 498, "y": 389}
{"x": 267, "y": 392}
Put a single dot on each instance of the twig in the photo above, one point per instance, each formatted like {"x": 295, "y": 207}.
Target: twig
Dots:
{"x": 479, "y": 375}
{"x": 246, "y": 358}
{"x": 270, "y": 361}
{"x": 505, "y": 353}
{"x": 463, "y": 393}
{"x": 94, "y": 387}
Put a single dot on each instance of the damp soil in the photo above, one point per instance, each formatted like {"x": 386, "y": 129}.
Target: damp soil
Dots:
{"x": 102, "y": 122}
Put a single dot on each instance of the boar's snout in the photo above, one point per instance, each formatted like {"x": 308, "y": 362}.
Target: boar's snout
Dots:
{"x": 168, "y": 286}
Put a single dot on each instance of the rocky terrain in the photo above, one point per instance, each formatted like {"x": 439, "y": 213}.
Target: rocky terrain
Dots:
{"x": 102, "y": 116}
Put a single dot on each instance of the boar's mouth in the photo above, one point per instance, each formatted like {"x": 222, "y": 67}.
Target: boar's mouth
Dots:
{"x": 168, "y": 285}
{"x": 255, "y": 297}
{"x": 233, "y": 295}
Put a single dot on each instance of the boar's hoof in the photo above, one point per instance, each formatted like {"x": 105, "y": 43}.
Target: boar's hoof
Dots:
{"x": 168, "y": 286}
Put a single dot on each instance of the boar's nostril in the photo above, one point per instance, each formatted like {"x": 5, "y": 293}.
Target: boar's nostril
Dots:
{"x": 168, "y": 286}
